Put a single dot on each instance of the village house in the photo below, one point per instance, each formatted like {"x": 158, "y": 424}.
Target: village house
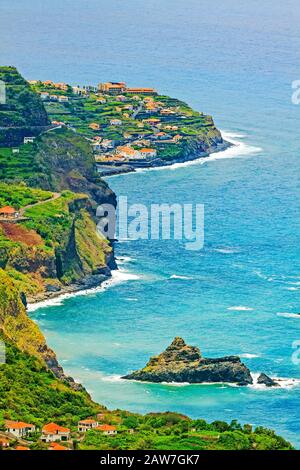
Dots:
{"x": 107, "y": 144}
{"x": 22, "y": 448}
{"x": 121, "y": 98}
{"x": 61, "y": 86}
{"x": 167, "y": 112}
{"x": 15, "y": 150}
{"x": 107, "y": 429}
{"x": 161, "y": 136}
{"x": 148, "y": 152}
{"x": 18, "y": 428}
{"x": 87, "y": 424}
{"x": 63, "y": 99}
{"x": 101, "y": 100}
{"x": 28, "y": 140}
{"x": 53, "y": 432}
{"x": 94, "y": 126}
{"x": 48, "y": 83}
{"x": 152, "y": 121}
{"x": 141, "y": 91}
{"x": 128, "y": 152}
{"x": 33, "y": 82}
{"x": 112, "y": 88}
{"x": 79, "y": 91}
{"x": 115, "y": 122}
{"x": 44, "y": 95}
{"x": 177, "y": 138}
{"x": 8, "y": 212}
{"x": 56, "y": 446}
{"x": 53, "y": 98}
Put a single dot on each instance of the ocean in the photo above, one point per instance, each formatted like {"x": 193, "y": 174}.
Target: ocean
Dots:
{"x": 240, "y": 293}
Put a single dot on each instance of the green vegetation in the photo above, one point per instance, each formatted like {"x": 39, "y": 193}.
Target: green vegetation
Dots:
{"x": 23, "y": 114}
{"x": 30, "y": 392}
{"x": 170, "y": 431}
{"x": 21, "y": 195}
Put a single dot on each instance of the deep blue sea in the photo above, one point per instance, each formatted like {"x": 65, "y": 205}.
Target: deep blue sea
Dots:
{"x": 239, "y": 295}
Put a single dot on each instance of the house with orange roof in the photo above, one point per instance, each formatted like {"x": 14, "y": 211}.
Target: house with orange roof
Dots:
{"x": 148, "y": 152}
{"x": 87, "y": 424}
{"x": 18, "y": 428}
{"x": 56, "y": 446}
{"x": 8, "y": 212}
{"x": 53, "y": 432}
{"x": 21, "y": 448}
{"x": 48, "y": 83}
{"x": 94, "y": 126}
{"x": 127, "y": 151}
{"x": 107, "y": 429}
{"x": 61, "y": 86}
{"x": 112, "y": 88}
{"x": 141, "y": 91}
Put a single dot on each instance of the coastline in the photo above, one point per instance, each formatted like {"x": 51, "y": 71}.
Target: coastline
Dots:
{"x": 96, "y": 282}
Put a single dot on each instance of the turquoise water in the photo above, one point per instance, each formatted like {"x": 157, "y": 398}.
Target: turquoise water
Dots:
{"x": 236, "y": 62}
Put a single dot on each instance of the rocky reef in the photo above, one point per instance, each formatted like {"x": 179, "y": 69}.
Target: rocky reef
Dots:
{"x": 183, "y": 363}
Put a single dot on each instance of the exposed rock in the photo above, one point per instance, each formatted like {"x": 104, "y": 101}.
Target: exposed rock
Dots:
{"x": 183, "y": 363}
{"x": 264, "y": 379}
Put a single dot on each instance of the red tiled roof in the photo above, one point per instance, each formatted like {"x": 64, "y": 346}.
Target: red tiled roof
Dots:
{"x": 53, "y": 428}
{"x": 22, "y": 448}
{"x": 106, "y": 427}
{"x": 56, "y": 446}
{"x": 17, "y": 424}
{"x": 7, "y": 210}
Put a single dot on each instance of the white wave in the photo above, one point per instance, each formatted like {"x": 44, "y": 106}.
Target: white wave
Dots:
{"x": 240, "y": 308}
{"x": 226, "y": 251}
{"x": 176, "y": 384}
{"x": 117, "y": 277}
{"x": 292, "y": 288}
{"x": 112, "y": 378}
{"x": 283, "y": 382}
{"x": 132, "y": 299}
{"x": 248, "y": 356}
{"x": 289, "y": 315}
{"x": 237, "y": 150}
{"x": 177, "y": 276}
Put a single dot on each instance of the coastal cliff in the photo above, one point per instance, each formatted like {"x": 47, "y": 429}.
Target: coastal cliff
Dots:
{"x": 183, "y": 363}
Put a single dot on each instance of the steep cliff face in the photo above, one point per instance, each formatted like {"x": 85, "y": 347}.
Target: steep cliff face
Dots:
{"x": 66, "y": 161}
{"x": 23, "y": 114}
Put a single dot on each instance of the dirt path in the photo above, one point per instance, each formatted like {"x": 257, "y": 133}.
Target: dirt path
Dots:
{"x": 55, "y": 196}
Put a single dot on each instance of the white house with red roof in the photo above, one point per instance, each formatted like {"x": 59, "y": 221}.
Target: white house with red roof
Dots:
{"x": 87, "y": 424}
{"x": 19, "y": 428}
{"x": 53, "y": 432}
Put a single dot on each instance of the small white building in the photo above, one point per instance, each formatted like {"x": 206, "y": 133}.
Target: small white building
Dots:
{"x": 116, "y": 122}
{"x": 63, "y": 99}
{"x": 148, "y": 152}
{"x": 19, "y": 428}
{"x": 28, "y": 140}
{"x": 87, "y": 424}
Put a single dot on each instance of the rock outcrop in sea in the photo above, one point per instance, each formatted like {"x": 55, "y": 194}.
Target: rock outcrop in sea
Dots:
{"x": 183, "y": 363}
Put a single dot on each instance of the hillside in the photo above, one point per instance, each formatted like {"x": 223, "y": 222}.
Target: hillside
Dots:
{"x": 23, "y": 114}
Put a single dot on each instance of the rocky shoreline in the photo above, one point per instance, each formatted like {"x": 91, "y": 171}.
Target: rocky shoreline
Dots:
{"x": 113, "y": 170}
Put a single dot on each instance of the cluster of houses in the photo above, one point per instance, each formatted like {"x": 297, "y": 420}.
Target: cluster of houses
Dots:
{"x": 52, "y": 433}
{"x": 149, "y": 113}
